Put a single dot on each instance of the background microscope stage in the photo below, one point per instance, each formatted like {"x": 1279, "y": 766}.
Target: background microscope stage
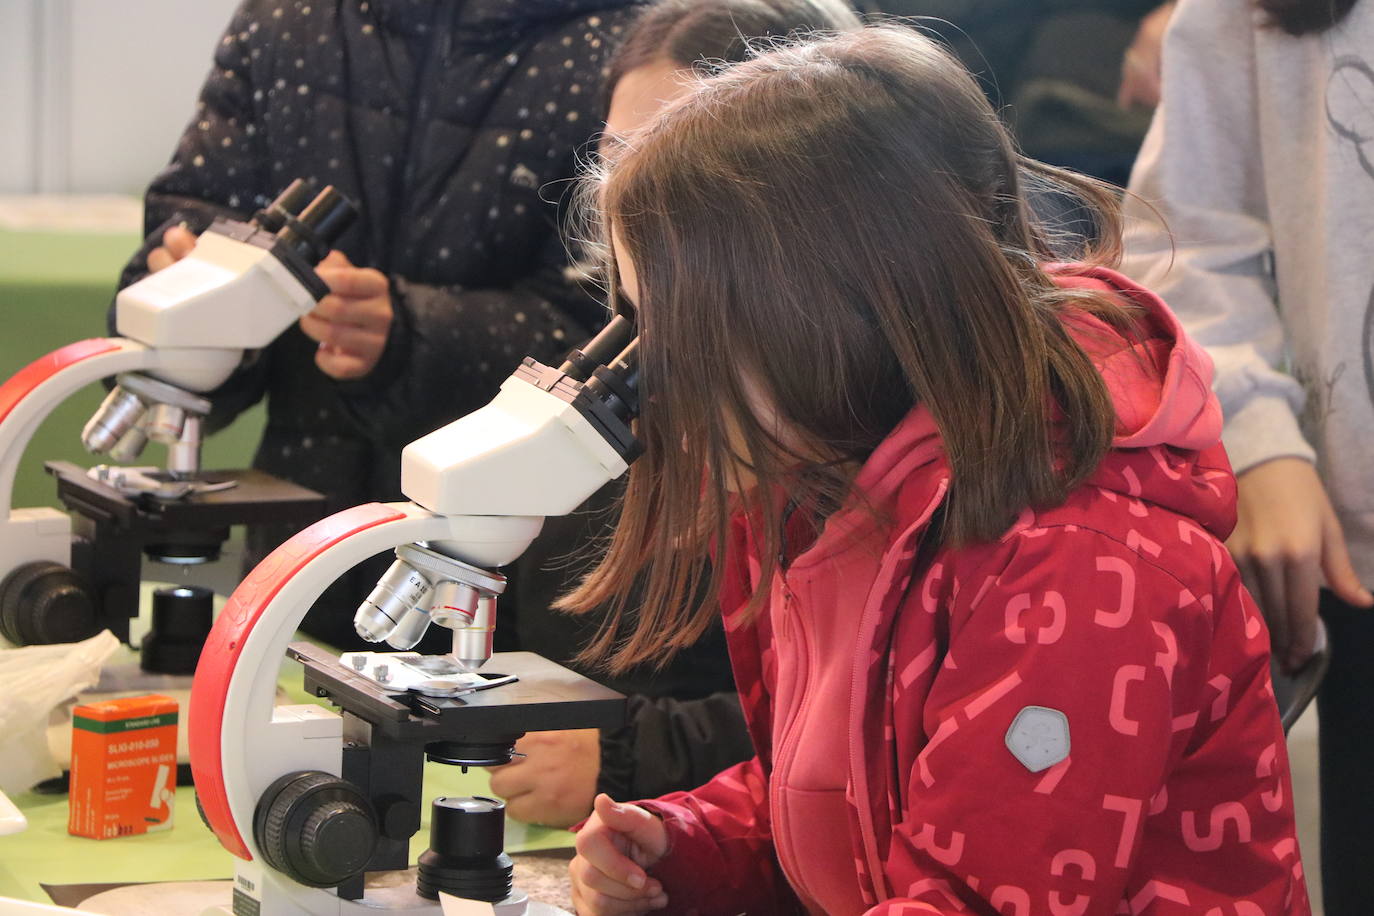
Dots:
{"x": 113, "y": 531}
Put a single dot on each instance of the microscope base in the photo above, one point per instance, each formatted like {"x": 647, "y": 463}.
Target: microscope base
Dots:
{"x": 389, "y": 893}
{"x": 535, "y": 908}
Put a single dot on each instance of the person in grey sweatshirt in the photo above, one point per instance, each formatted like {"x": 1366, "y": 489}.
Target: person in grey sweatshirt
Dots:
{"x": 1260, "y": 161}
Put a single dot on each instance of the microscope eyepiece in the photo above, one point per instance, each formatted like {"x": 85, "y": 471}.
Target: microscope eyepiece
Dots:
{"x": 582, "y": 362}
{"x": 289, "y": 203}
{"x": 617, "y": 384}
{"x": 319, "y": 225}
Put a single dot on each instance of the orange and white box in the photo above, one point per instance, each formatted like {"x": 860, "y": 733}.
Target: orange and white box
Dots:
{"x": 124, "y": 765}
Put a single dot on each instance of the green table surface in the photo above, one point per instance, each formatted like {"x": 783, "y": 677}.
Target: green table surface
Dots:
{"x": 46, "y": 854}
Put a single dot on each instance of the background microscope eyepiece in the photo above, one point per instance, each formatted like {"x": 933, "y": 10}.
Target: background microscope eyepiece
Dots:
{"x": 319, "y": 225}
{"x": 289, "y": 203}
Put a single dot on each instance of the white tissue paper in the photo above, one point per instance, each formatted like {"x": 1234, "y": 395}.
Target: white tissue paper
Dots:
{"x": 33, "y": 681}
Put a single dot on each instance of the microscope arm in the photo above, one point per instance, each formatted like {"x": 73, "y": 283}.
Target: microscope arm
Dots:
{"x": 239, "y": 745}
{"x": 29, "y": 396}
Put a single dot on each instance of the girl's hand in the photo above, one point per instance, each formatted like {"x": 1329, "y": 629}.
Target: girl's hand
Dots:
{"x": 614, "y": 848}
{"x": 1287, "y": 539}
{"x": 177, "y": 243}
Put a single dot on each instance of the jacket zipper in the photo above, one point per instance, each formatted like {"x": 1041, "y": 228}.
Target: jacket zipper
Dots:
{"x": 858, "y": 772}
{"x": 789, "y": 738}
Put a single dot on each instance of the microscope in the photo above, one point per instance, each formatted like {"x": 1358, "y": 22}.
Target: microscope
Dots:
{"x": 311, "y": 801}
{"x": 183, "y": 331}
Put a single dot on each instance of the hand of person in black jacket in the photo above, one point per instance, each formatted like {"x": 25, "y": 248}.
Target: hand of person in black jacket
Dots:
{"x": 352, "y": 322}
{"x": 554, "y": 784}
{"x": 177, "y": 243}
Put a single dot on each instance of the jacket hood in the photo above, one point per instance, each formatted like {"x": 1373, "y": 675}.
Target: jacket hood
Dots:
{"x": 1160, "y": 381}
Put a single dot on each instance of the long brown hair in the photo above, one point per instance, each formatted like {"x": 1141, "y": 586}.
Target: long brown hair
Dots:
{"x": 838, "y": 226}
{"x": 1303, "y": 17}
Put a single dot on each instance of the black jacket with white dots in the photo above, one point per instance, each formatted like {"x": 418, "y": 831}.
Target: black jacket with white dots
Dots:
{"x": 455, "y": 126}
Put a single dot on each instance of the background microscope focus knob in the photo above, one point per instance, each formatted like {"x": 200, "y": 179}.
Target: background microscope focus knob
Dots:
{"x": 42, "y": 603}
{"x": 316, "y": 828}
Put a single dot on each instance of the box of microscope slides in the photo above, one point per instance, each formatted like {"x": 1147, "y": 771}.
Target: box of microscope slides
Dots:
{"x": 124, "y": 764}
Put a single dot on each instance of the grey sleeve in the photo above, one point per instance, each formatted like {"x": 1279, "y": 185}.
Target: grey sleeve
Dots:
{"x": 1210, "y": 258}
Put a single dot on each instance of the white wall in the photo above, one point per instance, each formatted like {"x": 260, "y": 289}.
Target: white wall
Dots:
{"x": 94, "y": 93}
{"x": 18, "y": 94}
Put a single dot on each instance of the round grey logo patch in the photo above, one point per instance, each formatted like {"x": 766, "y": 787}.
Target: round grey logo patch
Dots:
{"x": 1039, "y": 737}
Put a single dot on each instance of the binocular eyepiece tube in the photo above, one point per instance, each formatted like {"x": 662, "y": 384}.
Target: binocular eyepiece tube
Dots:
{"x": 582, "y": 362}
{"x": 308, "y": 226}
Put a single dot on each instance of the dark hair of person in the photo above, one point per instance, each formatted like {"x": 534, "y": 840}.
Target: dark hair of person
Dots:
{"x": 838, "y": 229}
{"x": 1305, "y": 17}
{"x": 688, "y": 31}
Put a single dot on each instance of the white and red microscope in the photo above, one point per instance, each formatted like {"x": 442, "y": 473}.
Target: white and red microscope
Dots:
{"x": 310, "y": 801}
{"x": 184, "y": 330}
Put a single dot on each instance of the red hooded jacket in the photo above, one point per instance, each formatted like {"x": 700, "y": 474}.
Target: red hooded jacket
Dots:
{"x": 1075, "y": 719}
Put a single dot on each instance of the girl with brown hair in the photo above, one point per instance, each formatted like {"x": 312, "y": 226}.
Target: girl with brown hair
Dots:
{"x": 683, "y": 722}
{"x": 966, "y": 507}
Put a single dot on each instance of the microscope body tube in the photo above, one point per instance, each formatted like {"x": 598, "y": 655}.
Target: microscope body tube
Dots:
{"x": 499, "y": 459}
{"x": 545, "y": 443}
{"x": 191, "y": 304}
{"x": 239, "y": 287}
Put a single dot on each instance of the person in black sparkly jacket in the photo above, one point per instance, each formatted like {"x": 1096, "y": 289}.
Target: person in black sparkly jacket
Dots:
{"x": 453, "y": 125}
{"x": 449, "y": 124}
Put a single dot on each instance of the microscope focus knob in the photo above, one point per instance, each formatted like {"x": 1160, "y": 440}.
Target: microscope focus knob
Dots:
{"x": 43, "y": 603}
{"x": 316, "y": 828}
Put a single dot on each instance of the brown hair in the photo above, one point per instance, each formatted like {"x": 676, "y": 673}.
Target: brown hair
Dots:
{"x": 687, "y": 32}
{"x": 1303, "y": 17}
{"x": 838, "y": 225}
